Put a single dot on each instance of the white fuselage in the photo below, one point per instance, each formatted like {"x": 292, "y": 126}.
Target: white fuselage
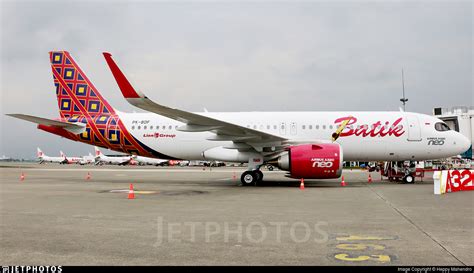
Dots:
{"x": 87, "y": 159}
{"x": 149, "y": 161}
{"x": 113, "y": 160}
{"x": 413, "y": 137}
{"x": 51, "y": 159}
{"x": 72, "y": 159}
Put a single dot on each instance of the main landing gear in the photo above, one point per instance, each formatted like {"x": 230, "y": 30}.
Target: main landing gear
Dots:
{"x": 253, "y": 175}
{"x": 250, "y": 178}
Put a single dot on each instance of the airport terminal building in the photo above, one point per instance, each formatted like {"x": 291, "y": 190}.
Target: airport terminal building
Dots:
{"x": 460, "y": 119}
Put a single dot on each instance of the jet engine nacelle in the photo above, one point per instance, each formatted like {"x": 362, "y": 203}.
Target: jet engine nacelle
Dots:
{"x": 313, "y": 161}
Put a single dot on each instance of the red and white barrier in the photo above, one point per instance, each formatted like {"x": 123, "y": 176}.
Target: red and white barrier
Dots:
{"x": 453, "y": 180}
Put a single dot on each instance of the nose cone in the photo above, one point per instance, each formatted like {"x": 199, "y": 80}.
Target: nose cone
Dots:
{"x": 463, "y": 143}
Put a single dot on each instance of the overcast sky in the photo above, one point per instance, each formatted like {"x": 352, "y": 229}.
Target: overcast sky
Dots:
{"x": 240, "y": 56}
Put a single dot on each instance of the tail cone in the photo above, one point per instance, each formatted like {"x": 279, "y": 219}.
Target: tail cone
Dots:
{"x": 88, "y": 176}
{"x": 369, "y": 180}
{"x": 343, "y": 183}
{"x": 22, "y": 177}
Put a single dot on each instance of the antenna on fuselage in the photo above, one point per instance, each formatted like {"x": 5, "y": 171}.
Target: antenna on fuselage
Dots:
{"x": 403, "y": 100}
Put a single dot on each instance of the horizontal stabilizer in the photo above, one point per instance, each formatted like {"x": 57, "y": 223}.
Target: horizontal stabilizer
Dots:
{"x": 75, "y": 128}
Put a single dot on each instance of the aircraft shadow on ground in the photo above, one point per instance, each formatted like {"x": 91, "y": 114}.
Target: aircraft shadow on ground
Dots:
{"x": 307, "y": 184}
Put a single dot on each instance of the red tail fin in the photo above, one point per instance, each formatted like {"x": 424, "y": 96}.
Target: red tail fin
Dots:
{"x": 77, "y": 96}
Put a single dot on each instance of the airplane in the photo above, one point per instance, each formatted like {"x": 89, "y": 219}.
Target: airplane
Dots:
{"x": 52, "y": 159}
{"x": 87, "y": 159}
{"x": 309, "y": 145}
{"x": 142, "y": 160}
{"x": 5, "y": 158}
{"x": 71, "y": 159}
{"x": 100, "y": 158}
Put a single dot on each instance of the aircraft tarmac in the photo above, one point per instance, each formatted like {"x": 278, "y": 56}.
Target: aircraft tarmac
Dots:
{"x": 196, "y": 216}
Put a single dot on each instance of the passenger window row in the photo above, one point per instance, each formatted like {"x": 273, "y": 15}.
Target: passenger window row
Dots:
{"x": 151, "y": 127}
{"x": 323, "y": 127}
{"x": 275, "y": 127}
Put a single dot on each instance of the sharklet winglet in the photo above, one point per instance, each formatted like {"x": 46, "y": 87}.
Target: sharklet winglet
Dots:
{"x": 127, "y": 89}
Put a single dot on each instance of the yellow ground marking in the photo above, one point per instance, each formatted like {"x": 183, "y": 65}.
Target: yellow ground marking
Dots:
{"x": 377, "y": 258}
{"x": 359, "y": 246}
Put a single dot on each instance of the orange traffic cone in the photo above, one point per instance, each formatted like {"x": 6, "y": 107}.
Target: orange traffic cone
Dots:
{"x": 302, "y": 184}
{"x": 343, "y": 183}
{"x": 88, "y": 176}
{"x": 131, "y": 194}
{"x": 22, "y": 177}
{"x": 369, "y": 180}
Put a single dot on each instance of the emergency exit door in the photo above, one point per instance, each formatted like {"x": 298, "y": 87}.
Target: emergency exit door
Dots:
{"x": 413, "y": 128}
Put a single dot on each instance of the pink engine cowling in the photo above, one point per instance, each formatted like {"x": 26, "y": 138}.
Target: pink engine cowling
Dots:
{"x": 313, "y": 161}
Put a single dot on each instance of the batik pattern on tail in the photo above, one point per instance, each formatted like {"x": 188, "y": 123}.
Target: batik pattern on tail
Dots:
{"x": 80, "y": 101}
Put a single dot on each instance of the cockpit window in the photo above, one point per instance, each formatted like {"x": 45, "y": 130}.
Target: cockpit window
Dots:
{"x": 440, "y": 126}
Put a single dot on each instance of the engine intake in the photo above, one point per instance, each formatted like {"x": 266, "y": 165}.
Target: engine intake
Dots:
{"x": 313, "y": 161}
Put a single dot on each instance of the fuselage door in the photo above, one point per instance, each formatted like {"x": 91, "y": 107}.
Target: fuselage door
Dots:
{"x": 293, "y": 128}
{"x": 413, "y": 127}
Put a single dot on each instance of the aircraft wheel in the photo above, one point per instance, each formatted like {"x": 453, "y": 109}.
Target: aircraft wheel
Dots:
{"x": 259, "y": 175}
{"x": 409, "y": 179}
{"x": 248, "y": 178}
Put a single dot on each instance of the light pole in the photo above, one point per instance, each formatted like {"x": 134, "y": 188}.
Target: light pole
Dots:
{"x": 403, "y": 100}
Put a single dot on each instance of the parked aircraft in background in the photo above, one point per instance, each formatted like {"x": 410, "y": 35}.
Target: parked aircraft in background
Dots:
{"x": 100, "y": 158}
{"x": 5, "y": 158}
{"x": 87, "y": 159}
{"x": 142, "y": 160}
{"x": 306, "y": 144}
{"x": 51, "y": 159}
{"x": 70, "y": 159}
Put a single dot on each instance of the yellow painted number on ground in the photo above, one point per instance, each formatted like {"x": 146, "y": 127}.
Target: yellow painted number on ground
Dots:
{"x": 377, "y": 258}
{"x": 359, "y": 246}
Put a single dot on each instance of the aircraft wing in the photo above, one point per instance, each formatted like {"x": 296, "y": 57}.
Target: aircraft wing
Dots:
{"x": 75, "y": 128}
{"x": 195, "y": 122}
